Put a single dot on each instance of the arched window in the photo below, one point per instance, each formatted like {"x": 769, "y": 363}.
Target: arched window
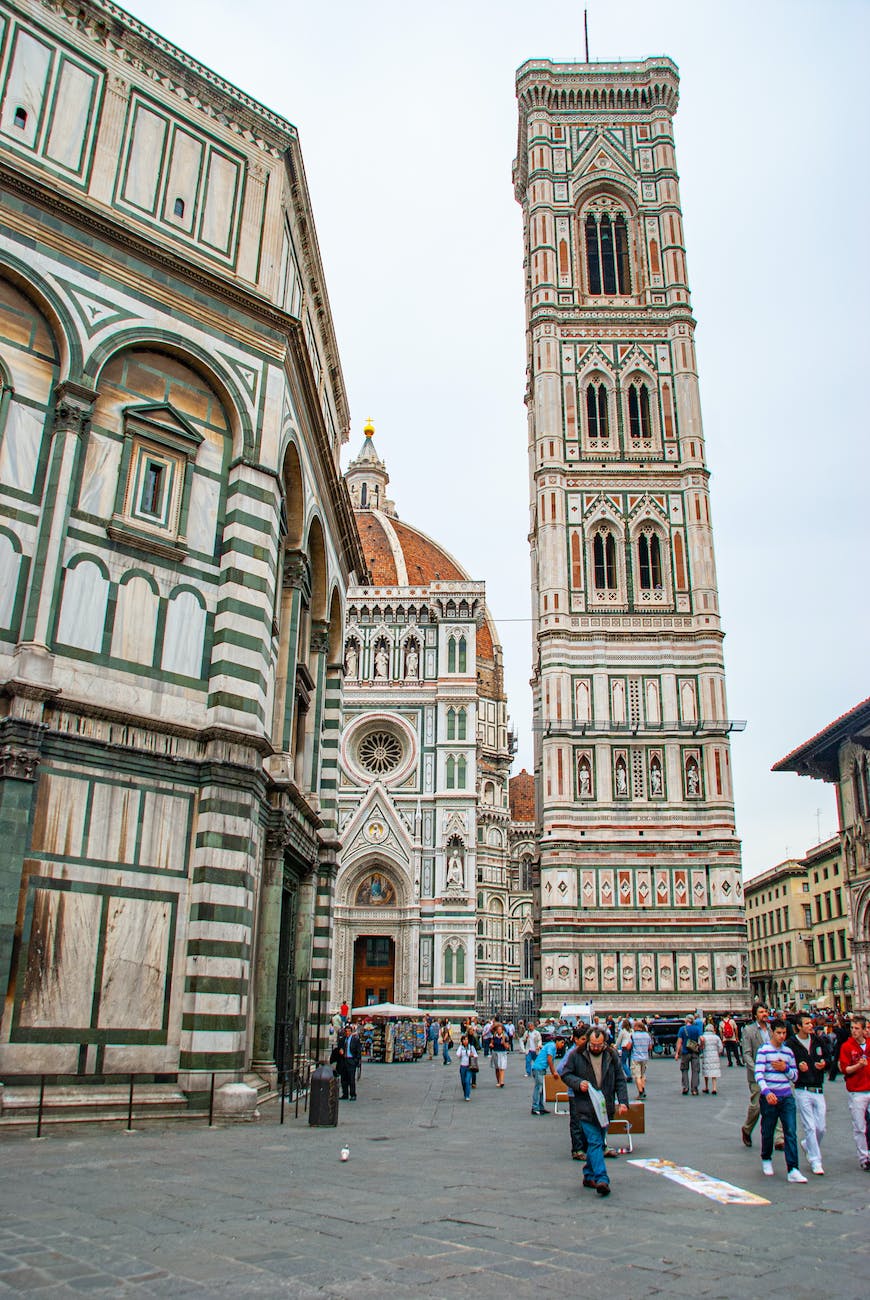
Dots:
{"x": 461, "y": 656}
{"x": 528, "y": 959}
{"x": 604, "y": 561}
{"x": 448, "y": 965}
{"x": 461, "y": 767}
{"x": 460, "y": 964}
{"x": 649, "y": 558}
{"x": 451, "y": 724}
{"x": 451, "y": 655}
{"x": 451, "y": 773}
{"x": 597, "y": 420}
{"x": 639, "y": 422}
{"x": 461, "y": 724}
{"x": 607, "y": 261}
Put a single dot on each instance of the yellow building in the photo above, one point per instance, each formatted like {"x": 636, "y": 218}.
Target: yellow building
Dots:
{"x": 798, "y": 942}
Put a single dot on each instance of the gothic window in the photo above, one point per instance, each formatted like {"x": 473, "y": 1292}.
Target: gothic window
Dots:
{"x": 528, "y": 959}
{"x": 461, "y": 724}
{"x": 639, "y": 419}
{"x": 526, "y": 875}
{"x": 460, "y": 773}
{"x": 451, "y": 724}
{"x": 461, "y": 664}
{"x": 448, "y": 965}
{"x": 604, "y": 561}
{"x": 607, "y": 257}
{"x": 597, "y": 419}
{"x": 451, "y": 773}
{"x": 649, "y": 557}
{"x": 364, "y": 495}
{"x": 459, "y": 966}
{"x": 451, "y": 655}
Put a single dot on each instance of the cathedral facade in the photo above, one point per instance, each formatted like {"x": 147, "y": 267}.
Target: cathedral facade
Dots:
{"x": 640, "y": 880}
{"x": 424, "y": 908}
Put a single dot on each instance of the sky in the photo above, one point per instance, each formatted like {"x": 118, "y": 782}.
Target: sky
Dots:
{"x": 408, "y": 125}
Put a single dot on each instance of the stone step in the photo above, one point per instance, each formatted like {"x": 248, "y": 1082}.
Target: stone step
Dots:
{"x": 83, "y": 1103}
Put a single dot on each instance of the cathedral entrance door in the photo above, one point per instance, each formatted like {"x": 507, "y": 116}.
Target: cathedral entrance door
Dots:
{"x": 374, "y": 969}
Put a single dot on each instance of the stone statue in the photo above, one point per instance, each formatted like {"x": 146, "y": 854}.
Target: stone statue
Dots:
{"x": 585, "y": 780}
{"x": 382, "y": 662}
{"x": 655, "y": 779}
{"x": 455, "y": 874}
{"x": 693, "y": 784}
{"x": 412, "y": 662}
{"x": 621, "y": 782}
{"x": 351, "y": 660}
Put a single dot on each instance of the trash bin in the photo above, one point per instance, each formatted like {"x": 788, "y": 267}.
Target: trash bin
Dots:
{"x": 323, "y": 1101}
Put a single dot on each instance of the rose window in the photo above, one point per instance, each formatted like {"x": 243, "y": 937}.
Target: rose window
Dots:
{"x": 380, "y": 752}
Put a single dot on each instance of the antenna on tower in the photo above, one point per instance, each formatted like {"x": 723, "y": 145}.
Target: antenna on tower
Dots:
{"x": 586, "y": 31}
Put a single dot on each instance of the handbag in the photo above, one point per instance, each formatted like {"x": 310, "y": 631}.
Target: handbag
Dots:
{"x": 472, "y": 1064}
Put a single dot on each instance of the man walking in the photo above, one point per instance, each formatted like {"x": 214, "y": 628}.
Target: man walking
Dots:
{"x": 544, "y": 1061}
{"x": 809, "y": 1088}
{"x": 688, "y": 1053}
{"x": 754, "y": 1034}
{"x": 352, "y": 1059}
{"x": 580, "y": 1037}
{"x": 597, "y": 1081}
{"x": 532, "y": 1045}
{"x": 728, "y": 1034}
{"x": 775, "y": 1072}
{"x": 640, "y": 1050}
{"x": 855, "y": 1068}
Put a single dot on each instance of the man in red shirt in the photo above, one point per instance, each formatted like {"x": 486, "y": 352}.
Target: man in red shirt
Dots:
{"x": 855, "y": 1068}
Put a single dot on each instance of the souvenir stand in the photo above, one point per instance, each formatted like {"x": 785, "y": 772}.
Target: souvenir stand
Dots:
{"x": 391, "y": 1033}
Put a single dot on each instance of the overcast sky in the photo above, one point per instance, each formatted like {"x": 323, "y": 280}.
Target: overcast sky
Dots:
{"x": 407, "y": 117}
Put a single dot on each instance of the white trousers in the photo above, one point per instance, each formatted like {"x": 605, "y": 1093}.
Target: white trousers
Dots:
{"x": 812, "y": 1110}
{"x": 858, "y": 1103}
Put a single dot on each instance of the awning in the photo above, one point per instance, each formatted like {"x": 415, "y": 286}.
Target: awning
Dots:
{"x": 389, "y": 1011}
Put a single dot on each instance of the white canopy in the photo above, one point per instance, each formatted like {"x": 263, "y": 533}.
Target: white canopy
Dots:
{"x": 390, "y": 1010}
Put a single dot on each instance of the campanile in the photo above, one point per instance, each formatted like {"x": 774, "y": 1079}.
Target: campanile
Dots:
{"x": 641, "y": 902}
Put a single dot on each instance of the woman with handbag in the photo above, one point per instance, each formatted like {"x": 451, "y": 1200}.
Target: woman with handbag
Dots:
{"x": 467, "y": 1056}
{"x": 499, "y": 1046}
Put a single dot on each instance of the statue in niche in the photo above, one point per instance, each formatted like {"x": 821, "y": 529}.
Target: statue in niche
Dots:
{"x": 351, "y": 660}
{"x": 621, "y": 778}
{"x": 455, "y": 872}
{"x": 412, "y": 661}
{"x": 655, "y": 778}
{"x": 693, "y": 780}
{"x": 382, "y": 662}
{"x": 584, "y": 778}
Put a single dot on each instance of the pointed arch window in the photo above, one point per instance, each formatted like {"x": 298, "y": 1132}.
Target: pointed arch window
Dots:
{"x": 604, "y": 562}
{"x": 459, "y": 964}
{"x": 461, "y": 655}
{"x": 639, "y": 421}
{"x": 597, "y": 420}
{"x": 649, "y": 557}
{"x": 607, "y": 258}
{"x": 448, "y": 965}
{"x": 461, "y": 724}
{"x": 451, "y": 773}
{"x": 461, "y": 771}
{"x": 451, "y": 724}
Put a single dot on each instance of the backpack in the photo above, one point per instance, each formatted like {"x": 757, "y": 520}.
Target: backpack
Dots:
{"x": 727, "y": 1030}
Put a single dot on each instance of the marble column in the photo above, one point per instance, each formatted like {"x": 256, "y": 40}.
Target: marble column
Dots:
{"x": 19, "y": 760}
{"x": 265, "y": 981}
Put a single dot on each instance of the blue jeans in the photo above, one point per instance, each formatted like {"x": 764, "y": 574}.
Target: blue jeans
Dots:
{"x": 785, "y": 1112}
{"x": 465, "y": 1078}
{"x": 445, "y": 1050}
{"x": 594, "y": 1168}
{"x": 625, "y": 1059}
{"x": 530, "y": 1056}
{"x": 538, "y": 1094}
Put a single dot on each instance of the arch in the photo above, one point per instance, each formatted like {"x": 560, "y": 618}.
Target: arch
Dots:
{"x": 294, "y": 497}
{"x": 84, "y": 599}
{"x": 336, "y": 623}
{"x": 184, "y": 632}
{"x": 187, "y": 353}
{"x": 10, "y": 579}
{"x": 134, "y": 625}
{"x": 352, "y": 876}
{"x": 52, "y": 306}
{"x": 316, "y": 550}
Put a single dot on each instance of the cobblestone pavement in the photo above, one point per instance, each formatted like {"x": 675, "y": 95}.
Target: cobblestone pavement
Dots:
{"x": 438, "y": 1198}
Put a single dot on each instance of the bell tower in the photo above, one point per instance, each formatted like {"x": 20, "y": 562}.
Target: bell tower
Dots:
{"x": 641, "y": 895}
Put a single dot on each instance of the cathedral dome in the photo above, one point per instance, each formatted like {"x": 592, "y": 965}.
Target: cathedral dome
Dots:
{"x": 398, "y": 555}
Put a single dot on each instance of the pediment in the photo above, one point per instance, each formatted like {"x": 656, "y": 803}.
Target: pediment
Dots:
{"x": 163, "y": 422}
{"x": 601, "y": 157}
{"x": 376, "y": 825}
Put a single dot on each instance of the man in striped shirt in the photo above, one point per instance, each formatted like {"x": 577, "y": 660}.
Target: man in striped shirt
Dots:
{"x": 775, "y": 1073}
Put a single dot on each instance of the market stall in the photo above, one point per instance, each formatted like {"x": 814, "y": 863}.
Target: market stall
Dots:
{"x": 390, "y": 1032}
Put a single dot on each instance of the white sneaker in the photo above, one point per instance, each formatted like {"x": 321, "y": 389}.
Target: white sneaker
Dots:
{"x": 767, "y": 1168}
{"x": 804, "y": 1146}
{"x": 795, "y": 1176}
{"x": 817, "y": 1169}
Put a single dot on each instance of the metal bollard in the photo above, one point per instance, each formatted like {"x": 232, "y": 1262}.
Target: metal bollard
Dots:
{"x": 323, "y": 1110}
